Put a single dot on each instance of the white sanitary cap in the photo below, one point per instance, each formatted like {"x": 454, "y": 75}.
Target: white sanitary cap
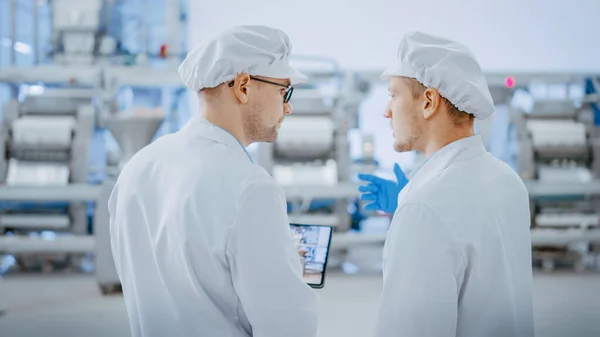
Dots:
{"x": 447, "y": 66}
{"x": 254, "y": 50}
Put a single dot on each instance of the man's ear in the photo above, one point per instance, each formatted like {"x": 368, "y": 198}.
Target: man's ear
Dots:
{"x": 432, "y": 102}
{"x": 241, "y": 87}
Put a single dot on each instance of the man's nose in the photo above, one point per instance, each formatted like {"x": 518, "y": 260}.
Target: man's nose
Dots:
{"x": 287, "y": 108}
{"x": 387, "y": 113}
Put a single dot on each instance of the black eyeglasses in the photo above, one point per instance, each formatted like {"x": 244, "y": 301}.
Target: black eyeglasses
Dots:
{"x": 288, "y": 88}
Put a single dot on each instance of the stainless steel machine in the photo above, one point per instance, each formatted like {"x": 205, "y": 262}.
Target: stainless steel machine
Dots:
{"x": 45, "y": 140}
{"x": 559, "y": 159}
{"x": 44, "y": 144}
{"x": 78, "y": 38}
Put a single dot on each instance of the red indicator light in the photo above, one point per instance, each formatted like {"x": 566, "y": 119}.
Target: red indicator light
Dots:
{"x": 510, "y": 82}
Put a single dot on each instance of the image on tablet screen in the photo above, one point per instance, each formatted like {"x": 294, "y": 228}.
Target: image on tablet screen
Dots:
{"x": 312, "y": 243}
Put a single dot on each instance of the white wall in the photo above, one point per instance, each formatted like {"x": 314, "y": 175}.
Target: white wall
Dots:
{"x": 363, "y": 34}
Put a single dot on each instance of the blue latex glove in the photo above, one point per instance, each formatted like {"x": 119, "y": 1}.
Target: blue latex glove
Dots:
{"x": 382, "y": 193}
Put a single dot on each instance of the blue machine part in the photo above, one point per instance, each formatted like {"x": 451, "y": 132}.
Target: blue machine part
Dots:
{"x": 97, "y": 160}
{"x": 20, "y": 206}
{"x": 589, "y": 89}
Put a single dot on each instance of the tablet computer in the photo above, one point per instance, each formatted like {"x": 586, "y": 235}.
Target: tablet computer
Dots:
{"x": 313, "y": 243}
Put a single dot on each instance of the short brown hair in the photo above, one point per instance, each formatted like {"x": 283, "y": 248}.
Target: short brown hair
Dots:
{"x": 458, "y": 117}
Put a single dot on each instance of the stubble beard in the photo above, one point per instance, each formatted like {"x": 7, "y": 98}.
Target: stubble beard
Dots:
{"x": 253, "y": 127}
{"x": 409, "y": 144}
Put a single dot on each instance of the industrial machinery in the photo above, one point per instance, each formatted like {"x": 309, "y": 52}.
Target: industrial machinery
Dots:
{"x": 311, "y": 159}
{"x": 559, "y": 160}
{"x": 44, "y": 144}
{"x": 47, "y": 199}
{"x": 78, "y": 36}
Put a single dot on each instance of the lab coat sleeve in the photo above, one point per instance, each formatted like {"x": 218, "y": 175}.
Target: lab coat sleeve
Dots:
{"x": 266, "y": 267}
{"x": 423, "y": 269}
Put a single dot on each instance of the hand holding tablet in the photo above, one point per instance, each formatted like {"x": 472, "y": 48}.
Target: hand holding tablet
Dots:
{"x": 312, "y": 242}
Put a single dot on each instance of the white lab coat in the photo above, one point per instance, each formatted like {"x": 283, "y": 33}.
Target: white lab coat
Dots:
{"x": 457, "y": 259}
{"x": 202, "y": 244}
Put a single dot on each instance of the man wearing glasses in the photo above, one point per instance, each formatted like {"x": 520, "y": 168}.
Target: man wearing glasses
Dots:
{"x": 200, "y": 234}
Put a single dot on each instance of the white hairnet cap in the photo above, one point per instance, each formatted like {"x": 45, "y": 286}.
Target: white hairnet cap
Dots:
{"x": 447, "y": 66}
{"x": 255, "y": 50}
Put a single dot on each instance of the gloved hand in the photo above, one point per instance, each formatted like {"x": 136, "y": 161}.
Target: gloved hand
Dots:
{"x": 382, "y": 193}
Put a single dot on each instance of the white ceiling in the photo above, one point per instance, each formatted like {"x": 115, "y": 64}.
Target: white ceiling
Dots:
{"x": 540, "y": 35}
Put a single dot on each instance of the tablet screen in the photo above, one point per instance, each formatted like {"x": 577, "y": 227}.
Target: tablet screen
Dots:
{"x": 313, "y": 243}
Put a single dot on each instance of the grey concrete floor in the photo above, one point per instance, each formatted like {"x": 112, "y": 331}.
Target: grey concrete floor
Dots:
{"x": 70, "y": 305}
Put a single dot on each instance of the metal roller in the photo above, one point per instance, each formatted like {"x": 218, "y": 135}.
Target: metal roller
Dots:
{"x": 560, "y": 138}
{"x": 35, "y": 221}
{"x": 564, "y": 174}
{"x": 54, "y": 102}
{"x": 299, "y": 174}
{"x": 35, "y": 132}
{"x": 305, "y": 137}
{"x": 566, "y": 219}
{"x": 556, "y": 133}
{"x": 23, "y": 173}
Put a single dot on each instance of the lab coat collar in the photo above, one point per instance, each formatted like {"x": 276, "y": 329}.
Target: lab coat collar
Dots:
{"x": 414, "y": 171}
{"x": 205, "y": 129}
{"x": 459, "y": 150}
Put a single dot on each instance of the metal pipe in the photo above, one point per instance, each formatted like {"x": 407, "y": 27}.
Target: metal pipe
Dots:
{"x": 36, "y": 29}
{"x": 145, "y": 34}
{"x": 173, "y": 27}
{"x": 107, "y": 16}
{"x": 55, "y": 36}
{"x": 13, "y": 31}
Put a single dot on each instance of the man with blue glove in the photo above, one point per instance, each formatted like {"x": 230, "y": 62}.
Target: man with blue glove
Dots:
{"x": 457, "y": 257}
